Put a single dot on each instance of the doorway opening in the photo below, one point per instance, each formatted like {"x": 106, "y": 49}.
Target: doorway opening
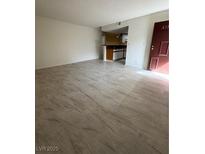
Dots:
{"x": 115, "y": 45}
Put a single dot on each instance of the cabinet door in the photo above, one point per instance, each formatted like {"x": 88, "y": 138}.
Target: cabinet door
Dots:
{"x": 109, "y": 53}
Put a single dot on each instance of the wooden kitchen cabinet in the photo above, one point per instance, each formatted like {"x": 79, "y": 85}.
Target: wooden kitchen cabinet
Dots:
{"x": 109, "y": 53}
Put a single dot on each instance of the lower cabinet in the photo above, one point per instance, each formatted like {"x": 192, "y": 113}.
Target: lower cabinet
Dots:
{"x": 109, "y": 53}
{"x": 115, "y": 54}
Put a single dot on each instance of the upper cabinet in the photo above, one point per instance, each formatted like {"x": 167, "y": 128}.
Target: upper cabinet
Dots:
{"x": 114, "y": 39}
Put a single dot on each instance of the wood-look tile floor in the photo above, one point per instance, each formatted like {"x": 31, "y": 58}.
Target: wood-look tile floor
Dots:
{"x": 97, "y": 107}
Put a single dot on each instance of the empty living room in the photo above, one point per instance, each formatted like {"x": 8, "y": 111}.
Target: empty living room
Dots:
{"x": 102, "y": 83}
{"x": 102, "y": 77}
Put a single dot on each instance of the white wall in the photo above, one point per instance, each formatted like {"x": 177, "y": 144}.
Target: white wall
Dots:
{"x": 59, "y": 43}
{"x": 139, "y": 37}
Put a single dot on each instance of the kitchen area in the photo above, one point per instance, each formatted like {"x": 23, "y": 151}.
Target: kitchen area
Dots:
{"x": 114, "y": 45}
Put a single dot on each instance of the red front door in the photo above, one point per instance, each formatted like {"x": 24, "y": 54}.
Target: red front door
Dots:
{"x": 159, "y": 52}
